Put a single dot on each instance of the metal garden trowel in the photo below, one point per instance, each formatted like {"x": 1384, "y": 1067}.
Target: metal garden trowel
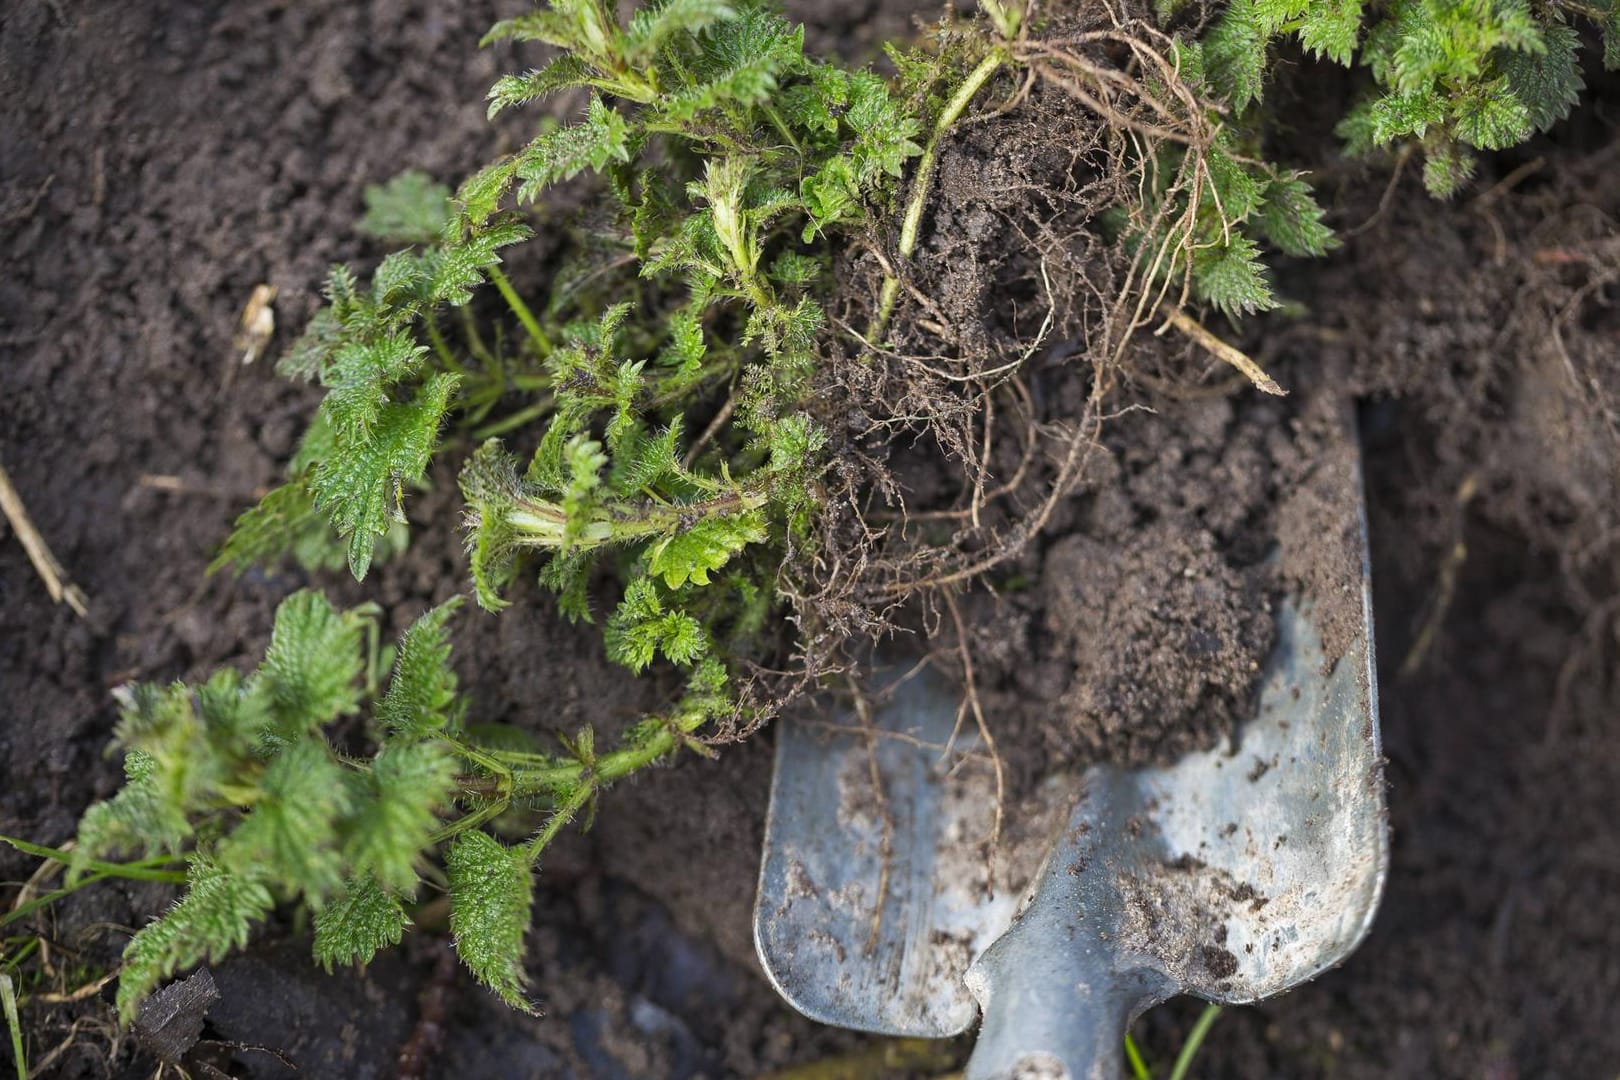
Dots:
{"x": 1233, "y": 874}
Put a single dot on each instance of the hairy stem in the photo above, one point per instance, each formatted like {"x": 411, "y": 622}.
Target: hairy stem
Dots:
{"x": 920, "y": 184}
{"x": 472, "y": 820}
{"x": 559, "y": 817}
{"x": 521, "y": 310}
{"x": 608, "y": 767}
{"x": 546, "y": 525}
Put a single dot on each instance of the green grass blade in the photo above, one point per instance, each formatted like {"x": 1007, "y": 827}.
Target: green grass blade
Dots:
{"x": 1195, "y": 1039}
{"x": 8, "y": 1000}
{"x": 1139, "y": 1069}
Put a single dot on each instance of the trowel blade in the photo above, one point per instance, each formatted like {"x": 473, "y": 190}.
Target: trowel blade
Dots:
{"x": 877, "y": 889}
{"x": 1234, "y": 873}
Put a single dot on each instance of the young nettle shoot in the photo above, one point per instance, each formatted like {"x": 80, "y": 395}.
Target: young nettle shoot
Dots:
{"x": 240, "y": 774}
{"x": 1452, "y": 78}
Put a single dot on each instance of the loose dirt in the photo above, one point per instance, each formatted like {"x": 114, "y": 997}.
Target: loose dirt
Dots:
{"x": 159, "y": 161}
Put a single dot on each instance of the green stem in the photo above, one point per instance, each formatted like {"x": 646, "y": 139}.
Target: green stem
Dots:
{"x": 140, "y": 870}
{"x": 475, "y": 340}
{"x": 609, "y": 767}
{"x": 545, "y": 524}
{"x": 1195, "y": 1039}
{"x": 503, "y": 775}
{"x": 440, "y": 346}
{"x": 472, "y": 820}
{"x": 29, "y": 946}
{"x": 521, "y": 310}
{"x": 47, "y": 899}
{"x": 515, "y": 420}
{"x": 8, "y": 1000}
{"x": 560, "y": 817}
{"x": 912, "y": 223}
{"x": 782, "y": 128}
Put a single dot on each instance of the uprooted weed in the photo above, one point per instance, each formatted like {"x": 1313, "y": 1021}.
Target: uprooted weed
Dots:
{"x": 1066, "y": 235}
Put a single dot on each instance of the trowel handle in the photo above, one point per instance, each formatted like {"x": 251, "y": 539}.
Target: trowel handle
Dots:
{"x": 1055, "y": 1007}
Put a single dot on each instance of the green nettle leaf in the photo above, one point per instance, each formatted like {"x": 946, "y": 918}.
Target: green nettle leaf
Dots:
{"x": 421, "y": 698}
{"x": 602, "y": 137}
{"x": 1235, "y": 54}
{"x": 706, "y": 546}
{"x": 461, "y": 267}
{"x": 513, "y": 90}
{"x": 273, "y": 529}
{"x": 1232, "y": 188}
{"x": 1549, "y": 83}
{"x": 1291, "y": 220}
{"x": 654, "y": 25}
{"x": 138, "y": 818}
{"x": 359, "y": 377}
{"x": 491, "y": 891}
{"x": 307, "y": 355}
{"x": 739, "y": 66}
{"x": 1450, "y": 74}
{"x": 1331, "y": 28}
{"x": 312, "y": 668}
{"x": 181, "y": 766}
{"x": 412, "y": 208}
{"x": 398, "y": 812}
{"x": 290, "y": 834}
{"x": 1232, "y": 278}
{"x": 1491, "y": 117}
{"x": 489, "y": 483}
{"x": 1396, "y": 116}
{"x": 215, "y": 915}
{"x": 642, "y": 627}
{"x": 1446, "y": 168}
{"x": 357, "y": 925}
{"x": 362, "y": 487}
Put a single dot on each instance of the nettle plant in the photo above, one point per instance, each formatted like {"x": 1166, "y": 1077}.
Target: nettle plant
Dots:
{"x": 1452, "y": 76}
{"x": 733, "y": 161}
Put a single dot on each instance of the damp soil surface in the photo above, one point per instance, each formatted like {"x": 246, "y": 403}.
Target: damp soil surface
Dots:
{"x": 159, "y": 161}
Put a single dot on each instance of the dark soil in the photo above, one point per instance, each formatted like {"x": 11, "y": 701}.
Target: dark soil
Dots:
{"x": 158, "y": 161}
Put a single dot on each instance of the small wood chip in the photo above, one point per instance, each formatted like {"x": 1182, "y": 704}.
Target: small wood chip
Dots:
{"x": 258, "y": 324}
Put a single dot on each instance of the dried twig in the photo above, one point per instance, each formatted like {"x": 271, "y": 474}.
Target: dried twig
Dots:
{"x": 1222, "y": 351}
{"x": 45, "y": 565}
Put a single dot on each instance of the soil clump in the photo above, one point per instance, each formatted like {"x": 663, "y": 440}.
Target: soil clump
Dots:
{"x": 1119, "y": 493}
